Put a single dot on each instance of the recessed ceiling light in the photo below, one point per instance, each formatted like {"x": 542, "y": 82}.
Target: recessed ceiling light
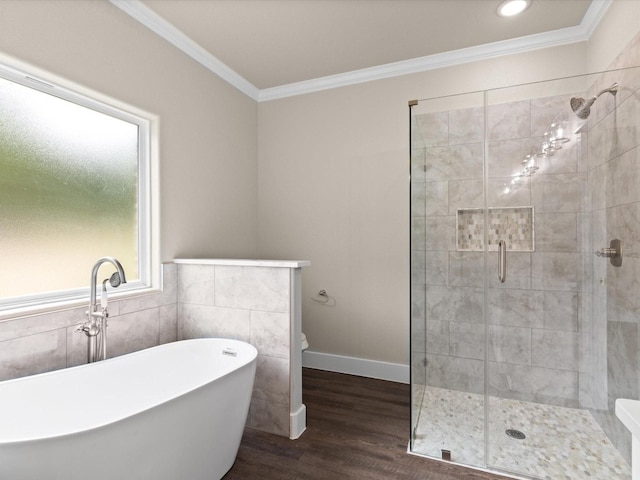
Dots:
{"x": 509, "y": 8}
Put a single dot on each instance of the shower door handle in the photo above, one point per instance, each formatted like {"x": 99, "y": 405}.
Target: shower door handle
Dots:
{"x": 502, "y": 261}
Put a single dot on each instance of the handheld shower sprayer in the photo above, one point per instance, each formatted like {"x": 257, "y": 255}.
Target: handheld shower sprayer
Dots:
{"x": 96, "y": 323}
{"x": 115, "y": 281}
{"x": 104, "y": 300}
{"x": 582, "y": 107}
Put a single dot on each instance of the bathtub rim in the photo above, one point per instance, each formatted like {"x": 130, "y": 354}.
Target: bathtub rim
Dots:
{"x": 252, "y": 360}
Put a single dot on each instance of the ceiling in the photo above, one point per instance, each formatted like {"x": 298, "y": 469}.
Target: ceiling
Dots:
{"x": 271, "y": 44}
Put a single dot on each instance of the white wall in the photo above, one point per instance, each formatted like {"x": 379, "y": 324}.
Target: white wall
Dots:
{"x": 614, "y": 32}
{"x": 208, "y": 129}
{"x": 332, "y": 167}
{"x": 334, "y": 189}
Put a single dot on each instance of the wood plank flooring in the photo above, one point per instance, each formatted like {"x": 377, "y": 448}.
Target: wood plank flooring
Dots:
{"x": 357, "y": 428}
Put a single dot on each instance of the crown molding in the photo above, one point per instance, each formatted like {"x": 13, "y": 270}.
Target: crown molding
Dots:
{"x": 565, "y": 36}
{"x": 430, "y": 62}
{"x": 527, "y": 43}
{"x": 594, "y": 15}
{"x": 158, "y": 25}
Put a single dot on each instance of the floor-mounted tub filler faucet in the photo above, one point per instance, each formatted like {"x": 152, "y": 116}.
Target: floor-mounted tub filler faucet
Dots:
{"x": 96, "y": 324}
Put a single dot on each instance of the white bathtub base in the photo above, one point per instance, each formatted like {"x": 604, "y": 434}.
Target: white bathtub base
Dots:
{"x": 195, "y": 437}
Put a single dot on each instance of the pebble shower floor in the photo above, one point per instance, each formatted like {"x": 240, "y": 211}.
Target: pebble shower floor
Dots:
{"x": 561, "y": 443}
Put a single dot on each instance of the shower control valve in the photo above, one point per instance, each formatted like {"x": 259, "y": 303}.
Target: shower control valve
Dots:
{"x": 613, "y": 252}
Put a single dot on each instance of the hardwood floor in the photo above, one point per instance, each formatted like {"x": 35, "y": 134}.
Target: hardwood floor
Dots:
{"x": 357, "y": 428}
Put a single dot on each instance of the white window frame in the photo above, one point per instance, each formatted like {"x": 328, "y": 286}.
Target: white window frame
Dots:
{"x": 148, "y": 188}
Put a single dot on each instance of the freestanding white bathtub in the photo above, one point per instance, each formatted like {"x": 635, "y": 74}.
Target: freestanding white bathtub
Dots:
{"x": 176, "y": 411}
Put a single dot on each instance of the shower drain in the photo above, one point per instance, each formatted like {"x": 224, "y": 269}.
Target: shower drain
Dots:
{"x": 517, "y": 434}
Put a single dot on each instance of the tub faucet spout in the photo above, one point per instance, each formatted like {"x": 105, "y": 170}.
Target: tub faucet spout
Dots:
{"x": 96, "y": 324}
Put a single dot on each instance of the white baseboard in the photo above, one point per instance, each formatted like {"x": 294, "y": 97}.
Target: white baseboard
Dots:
{"x": 297, "y": 422}
{"x": 394, "y": 372}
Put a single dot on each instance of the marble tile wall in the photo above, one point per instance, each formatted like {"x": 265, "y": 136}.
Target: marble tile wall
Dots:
{"x": 252, "y": 304}
{"x": 48, "y": 341}
{"x": 613, "y": 139}
{"x": 533, "y": 317}
{"x": 563, "y": 329}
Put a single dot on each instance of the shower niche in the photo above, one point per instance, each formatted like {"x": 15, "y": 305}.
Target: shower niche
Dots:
{"x": 514, "y": 225}
{"x": 528, "y": 168}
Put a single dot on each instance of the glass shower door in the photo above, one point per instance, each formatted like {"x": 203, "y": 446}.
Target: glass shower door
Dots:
{"x": 522, "y": 338}
{"x": 447, "y": 276}
{"x": 545, "y": 362}
{"x": 536, "y": 189}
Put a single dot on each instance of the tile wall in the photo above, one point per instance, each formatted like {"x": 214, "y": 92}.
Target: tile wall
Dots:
{"x": 529, "y": 344}
{"x": 251, "y": 304}
{"x": 49, "y": 341}
{"x": 563, "y": 330}
{"x": 613, "y": 137}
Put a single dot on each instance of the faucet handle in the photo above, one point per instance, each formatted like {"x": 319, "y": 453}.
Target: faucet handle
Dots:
{"x": 90, "y": 330}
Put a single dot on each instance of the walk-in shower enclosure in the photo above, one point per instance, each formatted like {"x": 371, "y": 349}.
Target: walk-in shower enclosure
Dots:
{"x": 521, "y": 336}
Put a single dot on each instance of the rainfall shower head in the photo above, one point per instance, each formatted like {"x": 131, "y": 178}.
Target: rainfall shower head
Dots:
{"x": 582, "y": 107}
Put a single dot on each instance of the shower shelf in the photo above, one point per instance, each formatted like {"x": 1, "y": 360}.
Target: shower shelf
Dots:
{"x": 512, "y": 224}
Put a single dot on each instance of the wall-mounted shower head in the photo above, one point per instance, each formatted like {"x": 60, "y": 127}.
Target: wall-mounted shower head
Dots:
{"x": 582, "y": 107}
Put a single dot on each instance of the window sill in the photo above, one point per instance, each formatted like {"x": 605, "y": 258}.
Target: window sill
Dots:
{"x": 12, "y": 313}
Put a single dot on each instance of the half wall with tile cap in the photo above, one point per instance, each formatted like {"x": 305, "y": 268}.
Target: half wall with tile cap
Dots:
{"x": 258, "y": 301}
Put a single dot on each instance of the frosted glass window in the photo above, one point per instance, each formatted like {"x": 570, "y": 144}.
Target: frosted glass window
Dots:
{"x": 69, "y": 192}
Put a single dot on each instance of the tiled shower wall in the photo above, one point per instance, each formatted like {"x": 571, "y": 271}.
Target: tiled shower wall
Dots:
{"x": 446, "y": 175}
{"x": 532, "y": 317}
{"x": 614, "y": 182}
{"x": 563, "y": 329}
